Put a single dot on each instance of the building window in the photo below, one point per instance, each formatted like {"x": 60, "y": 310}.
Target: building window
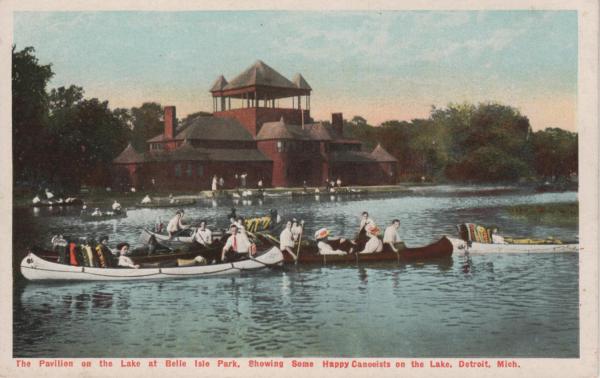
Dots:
{"x": 189, "y": 170}
{"x": 280, "y": 146}
{"x": 200, "y": 170}
{"x": 177, "y": 170}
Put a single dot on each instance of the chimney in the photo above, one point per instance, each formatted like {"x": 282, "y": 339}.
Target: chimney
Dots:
{"x": 337, "y": 121}
{"x": 170, "y": 122}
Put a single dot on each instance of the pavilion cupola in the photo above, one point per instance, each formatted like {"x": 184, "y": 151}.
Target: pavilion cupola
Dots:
{"x": 260, "y": 86}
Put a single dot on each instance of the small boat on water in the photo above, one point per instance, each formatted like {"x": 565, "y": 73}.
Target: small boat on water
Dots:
{"x": 34, "y": 268}
{"x": 475, "y": 248}
{"x": 165, "y": 203}
{"x": 58, "y": 202}
{"x": 479, "y": 240}
{"x": 309, "y": 253}
{"x": 103, "y": 216}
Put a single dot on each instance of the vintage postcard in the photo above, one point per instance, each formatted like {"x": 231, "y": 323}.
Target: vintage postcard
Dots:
{"x": 200, "y": 189}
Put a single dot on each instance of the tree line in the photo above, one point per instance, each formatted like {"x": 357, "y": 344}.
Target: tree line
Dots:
{"x": 487, "y": 142}
{"x": 62, "y": 139}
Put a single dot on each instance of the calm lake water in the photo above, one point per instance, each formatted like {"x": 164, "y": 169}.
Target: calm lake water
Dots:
{"x": 502, "y": 306}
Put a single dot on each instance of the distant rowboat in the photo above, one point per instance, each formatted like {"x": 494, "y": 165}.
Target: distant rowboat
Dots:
{"x": 474, "y": 248}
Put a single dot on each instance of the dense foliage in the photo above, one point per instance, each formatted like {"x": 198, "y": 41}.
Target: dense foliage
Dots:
{"x": 487, "y": 142}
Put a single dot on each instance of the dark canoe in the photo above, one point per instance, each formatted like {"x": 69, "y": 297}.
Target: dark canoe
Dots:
{"x": 167, "y": 203}
{"x": 438, "y": 250}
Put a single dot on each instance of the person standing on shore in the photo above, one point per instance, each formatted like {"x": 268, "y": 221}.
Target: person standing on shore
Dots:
{"x": 221, "y": 183}
{"x": 214, "y": 184}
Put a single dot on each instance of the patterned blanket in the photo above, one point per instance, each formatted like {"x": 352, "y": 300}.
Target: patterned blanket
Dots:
{"x": 475, "y": 233}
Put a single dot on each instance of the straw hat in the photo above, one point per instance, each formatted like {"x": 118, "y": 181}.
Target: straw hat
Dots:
{"x": 372, "y": 229}
{"x": 322, "y": 233}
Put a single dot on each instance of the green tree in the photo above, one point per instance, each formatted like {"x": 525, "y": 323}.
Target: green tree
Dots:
{"x": 555, "y": 152}
{"x": 30, "y": 114}
{"x": 147, "y": 121}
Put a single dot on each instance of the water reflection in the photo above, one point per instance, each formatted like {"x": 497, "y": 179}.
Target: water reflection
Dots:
{"x": 509, "y": 306}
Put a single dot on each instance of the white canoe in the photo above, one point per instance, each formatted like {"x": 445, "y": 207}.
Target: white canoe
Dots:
{"x": 35, "y": 268}
{"x": 460, "y": 247}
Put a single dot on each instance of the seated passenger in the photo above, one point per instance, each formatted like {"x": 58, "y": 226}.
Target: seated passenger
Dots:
{"x": 104, "y": 254}
{"x": 497, "y": 239}
{"x": 286, "y": 240}
{"x": 324, "y": 247}
{"x": 203, "y": 236}
{"x": 374, "y": 244}
{"x": 124, "y": 260}
{"x": 235, "y": 245}
{"x": 146, "y": 200}
{"x": 116, "y": 206}
{"x": 390, "y": 236}
{"x": 97, "y": 212}
{"x": 175, "y": 225}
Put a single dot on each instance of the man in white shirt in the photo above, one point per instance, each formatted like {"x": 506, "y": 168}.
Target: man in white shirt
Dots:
{"x": 124, "y": 260}
{"x": 497, "y": 239}
{"x": 116, "y": 206}
{"x": 390, "y": 235}
{"x": 286, "y": 240}
{"x": 296, "y": 229}
{"x": 374, "y": 244}
{"x": 235, "y": 245}
{"x": 175, "y": 224}
{"x": 203, "y": 235}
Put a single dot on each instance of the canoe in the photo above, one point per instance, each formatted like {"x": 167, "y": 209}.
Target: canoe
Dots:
{"x": 309, "y": 254}
{"x": 165, "y": 203}
{"x": 460, "y": 247}
{"x": 34, "y": 268}
{"x": 106, "y": 215}
{"x": 58, "y": 203}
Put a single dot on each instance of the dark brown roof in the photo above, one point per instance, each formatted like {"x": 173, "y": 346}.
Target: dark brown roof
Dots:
{"x": 381, "y": 155}
{"x": 129, "y": 156}
{"x": 223, "y": 154}
{"x": 210, "y": 128}
{"x": 352, "y": 156}
{"x": 282, "y": 130}
{"x": 260, "y": 74}
{"x": 339, "y": 138}
{"x": 219, "y": 84}
{"x": 187, "y": 152}
{"x": 300, "y": 82}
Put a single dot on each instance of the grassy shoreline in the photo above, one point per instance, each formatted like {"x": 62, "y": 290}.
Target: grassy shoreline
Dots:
{"x": 563, "y": 213}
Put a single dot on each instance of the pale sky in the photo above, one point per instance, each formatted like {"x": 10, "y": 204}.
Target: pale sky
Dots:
{"x": 380, "y": 65}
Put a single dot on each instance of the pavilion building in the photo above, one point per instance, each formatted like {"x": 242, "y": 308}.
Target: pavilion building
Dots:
{"x": 261, "y": 126}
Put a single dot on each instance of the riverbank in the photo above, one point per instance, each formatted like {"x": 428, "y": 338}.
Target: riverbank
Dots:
{"x": 101, "y": 197}
{"x": 566, "y": 213}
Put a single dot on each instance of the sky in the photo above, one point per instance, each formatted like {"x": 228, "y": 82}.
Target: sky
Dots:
{"x": 379, "y": 65}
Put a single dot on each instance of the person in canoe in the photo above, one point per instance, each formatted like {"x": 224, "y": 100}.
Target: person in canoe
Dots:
{"x": 390, "y": 236}
{"x": 333, "y": 247}
{"x": 124, "y": 260}
{"x": 116, "y": 206}
{"x": 362, "y": 236}
{"x": 286, "y": 240}
{"x": 236, "y": 245}
{"x": 374, "y": 244}
{"x": 105, "y": 256}
{"x": 297, "y": 229}
{"x": 175, "y": 225}
{"x": 146, "y": 200}
{"x": 202, "y": 236}
{"x": 496, "y": 239}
